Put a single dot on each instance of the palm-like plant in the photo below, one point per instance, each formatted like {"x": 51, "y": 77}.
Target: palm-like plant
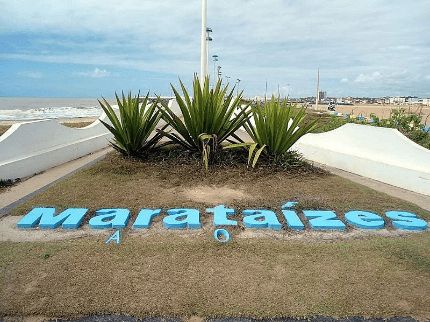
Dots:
{"x": 208, "y": 118}
{"x": 276, "y": 127}
{"x": 133, "y": 128}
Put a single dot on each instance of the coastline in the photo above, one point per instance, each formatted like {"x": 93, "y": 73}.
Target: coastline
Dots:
{"x": 381, "y": 111}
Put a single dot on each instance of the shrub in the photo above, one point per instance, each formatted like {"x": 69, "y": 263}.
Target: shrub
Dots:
{"x": 208, "y": 119}
{"x": 275, "y": 129}
{"x": 277, "y": 126}
{"x": 133, "y": 129}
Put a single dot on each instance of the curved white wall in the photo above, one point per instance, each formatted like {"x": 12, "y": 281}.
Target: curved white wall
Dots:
{"x": 31, "y": 147}
{"x": 378, "y": 153}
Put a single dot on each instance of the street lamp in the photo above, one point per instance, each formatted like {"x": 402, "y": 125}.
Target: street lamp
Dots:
{"x": 215, "y": 59}
{"x": 238, "y": 81}
{"x": 208, "y": 38}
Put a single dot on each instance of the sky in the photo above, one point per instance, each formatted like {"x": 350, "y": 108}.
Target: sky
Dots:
{"x": 94, "y": 48}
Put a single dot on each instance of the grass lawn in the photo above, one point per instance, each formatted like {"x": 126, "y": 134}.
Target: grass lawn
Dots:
{"x": 165, "y": 274}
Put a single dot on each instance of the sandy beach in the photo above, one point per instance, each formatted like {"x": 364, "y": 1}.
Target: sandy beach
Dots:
{"x": 382, "y": 111}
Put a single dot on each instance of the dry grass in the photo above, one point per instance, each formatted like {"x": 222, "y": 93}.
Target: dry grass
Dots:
{"x": 4, "y": 128}
{"x": 177, "y": 276}
{"x": 194, "y": 275}
{"x": 77, "y": 124}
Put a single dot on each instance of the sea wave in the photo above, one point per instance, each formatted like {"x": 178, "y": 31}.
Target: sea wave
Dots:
{"x": 49, "y": 113}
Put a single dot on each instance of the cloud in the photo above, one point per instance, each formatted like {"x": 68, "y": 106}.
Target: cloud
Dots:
{"x": 254, "y": 39}
{"x": 428, "y": 77}
{"x": 96, "y": 73}
{"x": 372, "y": 78}
{"x": 30, "y": 74}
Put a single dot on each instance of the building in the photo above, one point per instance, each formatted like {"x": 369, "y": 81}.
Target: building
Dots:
{"x": 322, "y": 95}
{"x": 399, "y": 100}
{"x": 425, "y": 101}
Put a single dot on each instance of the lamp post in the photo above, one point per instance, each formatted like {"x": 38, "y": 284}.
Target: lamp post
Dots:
{"x": 238, "y": 81}
{"x": 208, "y": 39}
{"x": 215, "y": 59}
{"x": 204, "y": 45}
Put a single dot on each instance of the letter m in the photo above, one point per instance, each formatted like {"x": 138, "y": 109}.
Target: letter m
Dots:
{"x": 71, "y": 218}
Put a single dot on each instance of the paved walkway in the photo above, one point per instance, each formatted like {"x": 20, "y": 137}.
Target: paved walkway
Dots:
{"x": 33, "y": 185}
{"x": 30, "y": 187}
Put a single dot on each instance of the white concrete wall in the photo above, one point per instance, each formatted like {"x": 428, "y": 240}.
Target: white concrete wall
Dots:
{"x": 378, "y": 153}
{"x": 31, "y": 147}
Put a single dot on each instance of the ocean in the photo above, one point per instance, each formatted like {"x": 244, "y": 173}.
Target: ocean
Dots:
{"x": 26, "y": 109}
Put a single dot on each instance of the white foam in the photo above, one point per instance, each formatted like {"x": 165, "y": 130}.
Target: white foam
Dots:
{"x": 50, "y": 113}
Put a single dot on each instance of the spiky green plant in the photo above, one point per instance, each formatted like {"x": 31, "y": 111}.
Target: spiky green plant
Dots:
{"x": 278, "y": 125}
{"x": 210, "y": 115}
{"x": 133, "y": 128}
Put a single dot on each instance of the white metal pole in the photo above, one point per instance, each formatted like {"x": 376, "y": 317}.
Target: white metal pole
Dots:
{"x": 203, "y": 56}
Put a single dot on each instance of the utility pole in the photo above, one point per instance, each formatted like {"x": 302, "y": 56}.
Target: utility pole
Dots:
{"x": 318, "y": 90}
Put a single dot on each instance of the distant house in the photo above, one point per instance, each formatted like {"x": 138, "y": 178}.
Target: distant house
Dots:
{"x": 425, "y": 101}
{"x": 399, "y": 100}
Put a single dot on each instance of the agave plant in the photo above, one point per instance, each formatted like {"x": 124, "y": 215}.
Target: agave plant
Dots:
{"x": 209, "y": 118}
{"x": 133, "y": 128}
{"x": 277, "y": 126}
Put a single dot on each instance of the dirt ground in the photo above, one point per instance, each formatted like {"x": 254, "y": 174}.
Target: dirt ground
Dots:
{"x": 258, "y": 273}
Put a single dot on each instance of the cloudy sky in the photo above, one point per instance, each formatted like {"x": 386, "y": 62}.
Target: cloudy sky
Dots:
{"x": 93, "y": 48}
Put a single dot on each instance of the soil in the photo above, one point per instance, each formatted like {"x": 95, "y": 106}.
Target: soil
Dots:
{"x": 183, "y": 273}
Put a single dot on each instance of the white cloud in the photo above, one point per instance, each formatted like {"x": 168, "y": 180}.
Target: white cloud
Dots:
{"x": 372, "y": 78}
{"x": 96, "y": 73}
{"x": 281, "y": 41}
{"x": 30, "y": 74}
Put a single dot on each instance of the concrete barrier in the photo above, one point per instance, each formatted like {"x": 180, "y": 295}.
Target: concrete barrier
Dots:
{"x": 32, "y": 147}
{"x": 378, "y": 153}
